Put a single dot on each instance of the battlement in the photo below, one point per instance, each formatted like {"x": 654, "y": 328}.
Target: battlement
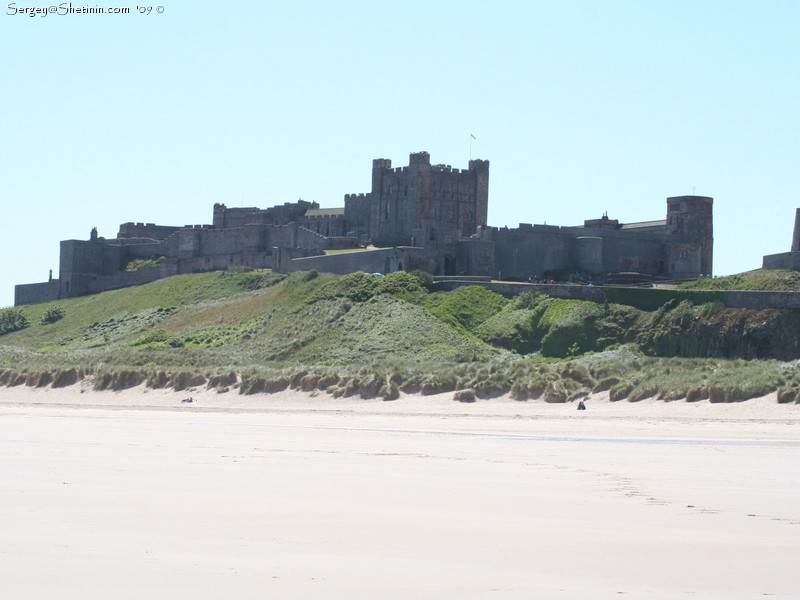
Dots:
{"x": 419, "y": 158}
{"x": 438, "y": 209}
{"x": 478, "y": 164}
{"x": 691, "y": 200}
{"x": 448, "y": 169}
{"x": 145, "y": 230}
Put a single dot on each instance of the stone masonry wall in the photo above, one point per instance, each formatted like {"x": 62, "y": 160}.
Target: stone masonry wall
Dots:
{"x": 732, "y": 299}
{"x": 35, "y": 293}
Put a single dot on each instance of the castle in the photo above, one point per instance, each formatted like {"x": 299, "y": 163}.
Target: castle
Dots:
{"x": 786, "y": 260}
{"x": 422, "y": 216}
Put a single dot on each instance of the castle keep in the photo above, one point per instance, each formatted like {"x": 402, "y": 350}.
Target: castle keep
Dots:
{"x": 421, "y": 216}
{"x": 409, "y": 202}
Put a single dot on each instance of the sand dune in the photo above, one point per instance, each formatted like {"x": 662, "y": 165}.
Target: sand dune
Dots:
{"x": 137, "y": 495}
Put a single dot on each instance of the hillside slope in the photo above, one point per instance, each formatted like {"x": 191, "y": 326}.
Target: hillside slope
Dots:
{"x": 376, "y": 336}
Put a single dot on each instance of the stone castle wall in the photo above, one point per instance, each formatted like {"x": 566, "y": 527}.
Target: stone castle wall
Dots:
{"x": 146, "y": 230}
{"x": 35, "y": 293}
{"x": 787, "y": 260}
{"x": 754, "y": 300}
{"x": 436, "y": 213}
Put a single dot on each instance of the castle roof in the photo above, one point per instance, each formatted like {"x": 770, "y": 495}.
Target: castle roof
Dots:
{"x": 325, "y": 212}
{"x": 644, "y": 224}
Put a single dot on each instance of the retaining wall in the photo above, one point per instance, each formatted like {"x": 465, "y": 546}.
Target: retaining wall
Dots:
{"x": 636, "y": 296}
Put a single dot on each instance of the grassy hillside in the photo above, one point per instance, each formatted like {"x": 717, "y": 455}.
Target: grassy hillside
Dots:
{"x": 760, "y": 279}
{"x": 359, "y": 334}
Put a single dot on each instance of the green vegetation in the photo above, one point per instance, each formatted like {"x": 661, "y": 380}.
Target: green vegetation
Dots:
{"x": 760, "y": 279}
{"x": 145, "y": 263}
{"x": 466, "y": 307}
{"x": 13, "y": 319}
{"x": 52, "y": 314}
{"x": 379, "y": 336}
{"x": 362, "y": 286}
{"x": 651, "y": 299}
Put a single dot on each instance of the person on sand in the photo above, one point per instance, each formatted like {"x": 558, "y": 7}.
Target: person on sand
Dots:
{"x": 581, "y": 404}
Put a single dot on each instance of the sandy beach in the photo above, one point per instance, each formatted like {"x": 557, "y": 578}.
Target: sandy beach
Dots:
{"x": 139, "y": 495}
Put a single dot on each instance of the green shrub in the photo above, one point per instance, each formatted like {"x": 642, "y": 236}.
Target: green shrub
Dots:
{"x": 425, "y": 279}
{"x": 466, "y": 307}
{"x": 620, "y": 391}
{"x": 157, "y": 338}
{"x": 467, "y": 395}
{"x": 529, "y": 388}
{"x": 13, "y": 319}
{"x": 53, "y": 314}
{"x": 568, "y": 327}
{"x": 401, "y": 284}
{"x": 145, "y": 263}
{"x": 787, "y": 395}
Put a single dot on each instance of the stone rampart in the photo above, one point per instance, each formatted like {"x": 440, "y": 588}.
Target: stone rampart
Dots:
{"x": 785, "y": 260}
{"x": 761, "y": 300}
{"x": 146, "y": 230}
{"x": 755, "y": 300}
{"x": 35, "y": 293}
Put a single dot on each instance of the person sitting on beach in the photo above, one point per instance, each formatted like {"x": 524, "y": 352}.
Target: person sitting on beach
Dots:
{"x": 581, "y": 404}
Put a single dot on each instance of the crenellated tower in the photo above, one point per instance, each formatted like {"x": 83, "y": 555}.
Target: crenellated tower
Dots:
{"x": 690, "y": 222}
{"x": 420, "y": 197}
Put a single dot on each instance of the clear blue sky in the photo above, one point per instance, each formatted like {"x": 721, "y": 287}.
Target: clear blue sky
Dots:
{"x": 582, "y": 107}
